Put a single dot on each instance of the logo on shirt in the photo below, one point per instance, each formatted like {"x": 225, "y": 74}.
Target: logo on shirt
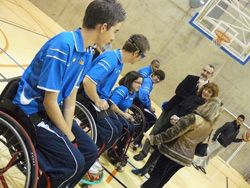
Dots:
{"x": 24, "y": 100}
{"x": 81, "y": 62}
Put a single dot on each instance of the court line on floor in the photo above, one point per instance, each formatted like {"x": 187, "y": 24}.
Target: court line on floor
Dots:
{"x": 20, "y": 27}
{"x": 110, "y": 173}
{"x": 15, "y": 61}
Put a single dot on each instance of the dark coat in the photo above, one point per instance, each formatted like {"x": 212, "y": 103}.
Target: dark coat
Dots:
{"x": 227, "y": 134}
{"x": 185, "y": 89}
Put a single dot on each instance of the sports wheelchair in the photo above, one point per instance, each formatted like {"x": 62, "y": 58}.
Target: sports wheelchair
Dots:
{"x": 139, "y": 123}
{"x": 18, "y": 160}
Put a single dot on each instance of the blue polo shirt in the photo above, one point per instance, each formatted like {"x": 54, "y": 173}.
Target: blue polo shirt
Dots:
{"x": 122, "y": 97}
{"x": 59, "y": 67}
{"x": 107, "y": 67}
{"x": 145, "y": 71}
{"x": 144, "y": 92}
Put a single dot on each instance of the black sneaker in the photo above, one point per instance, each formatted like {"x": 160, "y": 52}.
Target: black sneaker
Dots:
{"x": 139, "y": 157}
{"x": 203, "y": 169}
{"x": 195, "y": 166}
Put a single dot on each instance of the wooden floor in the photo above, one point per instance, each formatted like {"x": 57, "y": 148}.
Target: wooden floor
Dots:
{"x": 23, "y": 30}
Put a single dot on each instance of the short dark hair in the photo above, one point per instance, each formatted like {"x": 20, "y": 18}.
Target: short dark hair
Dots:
{"x": 129, "y": 78}
{"x": 155, "y": 61}
{"x": 160, "y": 74}
{"x": 136, "y": 42}
{"x": 103, "y": 11}
{"x": 241, "y": 116}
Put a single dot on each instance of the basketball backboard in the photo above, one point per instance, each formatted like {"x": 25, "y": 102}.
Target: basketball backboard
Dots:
{"x": 227, "y": 23}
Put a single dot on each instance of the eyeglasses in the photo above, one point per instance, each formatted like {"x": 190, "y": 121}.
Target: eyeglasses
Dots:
{"x": 141, "y": 53}
{"x": 138, "y": 82}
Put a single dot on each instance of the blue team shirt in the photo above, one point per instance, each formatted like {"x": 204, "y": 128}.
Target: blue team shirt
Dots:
{"x": 144, "y": 92}
{"x": 122, "y": 97}
{"x": 107, "y": 67}
{"x": 59, "y": 67}
{"x": 145, "y": 71}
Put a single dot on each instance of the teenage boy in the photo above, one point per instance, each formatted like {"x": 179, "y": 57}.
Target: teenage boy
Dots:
{"x": 47, "y": 94}
{"x": 101, "y": 78}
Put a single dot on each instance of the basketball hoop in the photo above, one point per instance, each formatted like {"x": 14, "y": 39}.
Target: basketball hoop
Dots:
{"x": 221, "y": 37}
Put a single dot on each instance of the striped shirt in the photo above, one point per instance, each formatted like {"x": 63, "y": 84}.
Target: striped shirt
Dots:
{"x": 122, "y": 97}
{"x": 144, "y": 92}
{"x": 59, "y": 67}
{"x": 107, "y": 67}
{"x": 145, "y": 71}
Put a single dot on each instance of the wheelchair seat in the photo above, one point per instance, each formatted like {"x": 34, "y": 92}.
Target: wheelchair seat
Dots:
{"x": 7, "y": 106}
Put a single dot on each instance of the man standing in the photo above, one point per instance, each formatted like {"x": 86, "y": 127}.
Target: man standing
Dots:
{"x": 189, "y": 86}
{"x": 222, "y": 138}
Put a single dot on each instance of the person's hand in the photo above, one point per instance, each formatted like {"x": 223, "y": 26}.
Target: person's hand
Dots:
{"x": 164, "y": 105}
{"x": 146, "y": 135}
{"x": 152, "y": 109}
{"x": 245, "y": 140}
{"x": 174, "y": 119}
{"x": 128, "y": 117}
{"x": 102, "y": 104}
{"x": 74, "y": 142}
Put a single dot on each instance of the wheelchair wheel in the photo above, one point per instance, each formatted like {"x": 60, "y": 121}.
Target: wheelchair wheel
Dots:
{"x": 84, "y": 119}
{"x": 139, "y": 122}
{"x": 18, "y": 161}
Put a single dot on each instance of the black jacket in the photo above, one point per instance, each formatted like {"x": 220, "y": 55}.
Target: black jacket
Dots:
{"x": 227, "y": 134}
{"x": 185, "y": 89}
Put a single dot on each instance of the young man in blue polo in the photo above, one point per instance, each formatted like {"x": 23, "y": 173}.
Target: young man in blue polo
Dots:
{"x": 47, "y": 94}
{"x": 150, "y": 69}
{"x": 100, "y": 80}
{"x": 143, "y": 100}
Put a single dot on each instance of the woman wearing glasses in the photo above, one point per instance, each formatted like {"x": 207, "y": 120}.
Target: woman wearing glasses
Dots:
{"x": 122, "y": 99}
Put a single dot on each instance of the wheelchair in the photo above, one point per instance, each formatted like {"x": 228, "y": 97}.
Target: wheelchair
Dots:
{"x": 148, "y": 120}
{"x": 84, "y": 105}
{"x": 18, "y": 161}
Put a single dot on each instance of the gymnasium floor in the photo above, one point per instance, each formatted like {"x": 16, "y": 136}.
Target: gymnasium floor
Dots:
{"x": 23, "y": 30}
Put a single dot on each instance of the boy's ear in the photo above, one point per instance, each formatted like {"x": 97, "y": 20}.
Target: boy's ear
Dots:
{"x": 136, "y": 53}
{"x": 104, "y": 27}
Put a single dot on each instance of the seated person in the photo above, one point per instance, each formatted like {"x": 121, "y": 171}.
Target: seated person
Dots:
{"x": 143, "y": 101}
{"x": 47, "y": 94}
{"x": 100, "y": 80}
{"x": 148, "y": 70}
{"x": 187, "y": 106}
{"x": 122, "y": 99}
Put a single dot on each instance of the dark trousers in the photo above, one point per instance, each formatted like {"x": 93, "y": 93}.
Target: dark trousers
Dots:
{"x": 164, "y": 169}
{"x": 160, "y": 125}
{"x": 59, "y": 158}
{"x": 109, "y": 128}
{"x": 128, "y": 130}
{"x": 151, "y": 162}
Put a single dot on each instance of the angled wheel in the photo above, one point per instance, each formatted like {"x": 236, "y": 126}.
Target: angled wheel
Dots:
{"x": 84, "y": 119}
{"x": 139, "y": 122}
{"x": 18, "y": 161}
